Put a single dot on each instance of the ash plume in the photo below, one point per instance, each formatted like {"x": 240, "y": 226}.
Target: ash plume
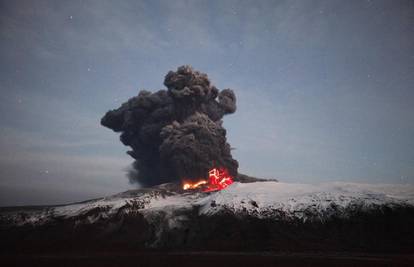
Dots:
{"x": 175, "y": 133}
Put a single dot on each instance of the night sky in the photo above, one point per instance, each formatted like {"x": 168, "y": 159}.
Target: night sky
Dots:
{"x": 325, "y": 88}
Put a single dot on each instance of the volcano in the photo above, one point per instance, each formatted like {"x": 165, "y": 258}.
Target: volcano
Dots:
{"x": 249, "y": 215}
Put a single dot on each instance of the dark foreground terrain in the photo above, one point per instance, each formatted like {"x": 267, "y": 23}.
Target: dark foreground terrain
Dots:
{"x": 374, "y": 240}
{"x": 201, "y": 259}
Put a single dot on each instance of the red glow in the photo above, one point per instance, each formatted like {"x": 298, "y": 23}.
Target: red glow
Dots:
{"x": 218, "y": 179}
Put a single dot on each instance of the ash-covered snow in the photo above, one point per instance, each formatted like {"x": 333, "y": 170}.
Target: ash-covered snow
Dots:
{"x": 261, "y": 199}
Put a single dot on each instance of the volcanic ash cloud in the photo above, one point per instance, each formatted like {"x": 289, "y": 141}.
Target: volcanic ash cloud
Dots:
{"x": 176, "y": 133}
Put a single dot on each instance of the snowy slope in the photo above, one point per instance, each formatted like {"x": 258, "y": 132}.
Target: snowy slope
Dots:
{"x": 261, "y": 199}
{"x": 306, "y": 201}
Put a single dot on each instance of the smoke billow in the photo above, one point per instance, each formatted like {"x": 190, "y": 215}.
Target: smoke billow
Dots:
{"x": 176, "y": 133}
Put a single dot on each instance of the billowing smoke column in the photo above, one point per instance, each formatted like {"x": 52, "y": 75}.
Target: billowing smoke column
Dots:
{"x": 176, "y": 133}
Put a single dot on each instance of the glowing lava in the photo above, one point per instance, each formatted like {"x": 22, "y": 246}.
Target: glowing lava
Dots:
{"x": 187, "y": 186}
{"x": 218, "y": 179}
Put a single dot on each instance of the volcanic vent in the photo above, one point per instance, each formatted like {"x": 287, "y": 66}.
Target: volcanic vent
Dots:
{"x": 177, "y": 134}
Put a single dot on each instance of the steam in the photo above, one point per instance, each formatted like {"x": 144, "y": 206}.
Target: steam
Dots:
{"x": 176, "y": 133}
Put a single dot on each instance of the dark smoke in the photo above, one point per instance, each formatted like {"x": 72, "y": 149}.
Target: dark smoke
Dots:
{"x": 176, "y": 133}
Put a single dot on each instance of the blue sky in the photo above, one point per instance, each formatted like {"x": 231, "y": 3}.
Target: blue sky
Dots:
{"x": 325, "y": 88}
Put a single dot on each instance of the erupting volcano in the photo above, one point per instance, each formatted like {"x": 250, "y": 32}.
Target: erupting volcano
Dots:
{"x": 218, "y": 179}
{"x": 177, "y": 134}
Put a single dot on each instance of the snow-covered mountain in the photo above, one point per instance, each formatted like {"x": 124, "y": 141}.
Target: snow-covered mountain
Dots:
{"x": 261, "y": 200}
{"x": 265, "y": 213}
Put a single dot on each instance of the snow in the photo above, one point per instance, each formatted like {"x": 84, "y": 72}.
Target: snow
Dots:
{"x": 110, "y": 205}
{"x": 262, "y": 199}
{"x": 298, "y": 200}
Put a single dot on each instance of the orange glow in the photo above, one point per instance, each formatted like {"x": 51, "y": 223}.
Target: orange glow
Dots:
{"x": 189, "y": 185}
{"x": 218, "y": 179}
